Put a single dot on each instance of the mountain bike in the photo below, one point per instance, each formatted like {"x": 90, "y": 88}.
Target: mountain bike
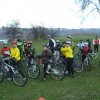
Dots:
{"x": 33, "y": 69}
{"x": 18, "y": 76}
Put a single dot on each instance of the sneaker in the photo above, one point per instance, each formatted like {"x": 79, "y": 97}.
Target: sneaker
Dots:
{"x": 66, "y": 72}
{"x": 9, "y": 79}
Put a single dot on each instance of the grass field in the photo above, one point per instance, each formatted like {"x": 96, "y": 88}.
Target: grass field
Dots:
{"x": 85, "y": 86}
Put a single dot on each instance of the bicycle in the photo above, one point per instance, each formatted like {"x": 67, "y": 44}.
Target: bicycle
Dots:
{"x": 18, "y": 76}
{"x": 55, "y": 70}
{"x": 87, "y": 62}
{"x": 77, "y": 64}
{"x": 33, "y": 69}
{"x": 1, "y": 75}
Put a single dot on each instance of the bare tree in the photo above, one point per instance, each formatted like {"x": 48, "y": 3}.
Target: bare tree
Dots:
{"x": 13, "y": 28}
{"x": 95, "y": 5}
{"x": 38, "y": 32}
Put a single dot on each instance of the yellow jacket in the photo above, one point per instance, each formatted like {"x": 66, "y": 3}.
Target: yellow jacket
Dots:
{"x": 15, "y": 53}
{"x": 67, "y": 52}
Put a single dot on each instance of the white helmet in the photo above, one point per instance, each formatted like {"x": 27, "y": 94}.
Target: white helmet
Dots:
{"x": 68, "y": 42}
{"x": 69, "y": 36}
{"x": 85, "y": 43}
{"x": 5, "y": 42}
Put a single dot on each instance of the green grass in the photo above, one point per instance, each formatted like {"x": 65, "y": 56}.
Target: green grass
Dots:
{"x": 85, "y": 86}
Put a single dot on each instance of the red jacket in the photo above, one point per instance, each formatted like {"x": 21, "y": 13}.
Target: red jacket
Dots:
{"x": 5, "y": 51}
{"x": 85, "y": 50}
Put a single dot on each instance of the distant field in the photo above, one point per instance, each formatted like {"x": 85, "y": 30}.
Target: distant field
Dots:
{"x": 85, "y": 86}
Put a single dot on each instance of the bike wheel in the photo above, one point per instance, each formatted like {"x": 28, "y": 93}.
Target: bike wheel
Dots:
{"x": 19, "y": 78}
{"x": 78, "y": 66}
{"x": 33, "y": 71}
{"x": 88, "y": 67}
{"x": 58, "y": 72}
{"x": 1, "y": 75}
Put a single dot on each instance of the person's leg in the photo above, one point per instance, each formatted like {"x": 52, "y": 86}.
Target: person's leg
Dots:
{"x": 97, "y": 48}
{"x": 94, "y": 48}
{"x": 83, "y": 57}
{"x": 68, "y": 66}
{"x": 71, "y": 66}
{"x": 19, "y": 68}
{"x": 44, "y": 69}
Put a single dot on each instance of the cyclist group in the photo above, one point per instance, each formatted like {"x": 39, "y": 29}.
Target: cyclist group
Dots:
{"x": 21, "y": 49}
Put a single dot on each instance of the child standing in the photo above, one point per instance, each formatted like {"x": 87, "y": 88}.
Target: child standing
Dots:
{"x": 46, "y": 56}
{"x": 68, "y": 53}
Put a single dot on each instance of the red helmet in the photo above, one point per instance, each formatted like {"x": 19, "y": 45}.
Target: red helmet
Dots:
{"x": 29, "y": 42}
{"x": 14, "y": 42}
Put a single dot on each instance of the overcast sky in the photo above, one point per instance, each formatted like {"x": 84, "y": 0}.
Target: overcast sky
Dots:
{"x": 50, "y": 13}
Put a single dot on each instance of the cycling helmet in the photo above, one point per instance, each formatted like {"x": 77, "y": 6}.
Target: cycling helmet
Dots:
{"x": 14, "y": 42}
{"x": 85, "y": 43}
{"x": 5, "y": 42}
{"x": 68, "y": 42}
{"x": 29, "y": 42}
{"x": 69, "y": 36}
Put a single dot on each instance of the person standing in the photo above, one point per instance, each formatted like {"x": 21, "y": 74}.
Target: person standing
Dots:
{"x": 51, "y": 43}
{"x": 96, "y": 43}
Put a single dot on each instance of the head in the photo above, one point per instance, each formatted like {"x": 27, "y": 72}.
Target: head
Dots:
{"x": 85, "y": 44}
{"x": 30, "y": 43}
{"x": 45, "y": 47}
{"x": 14, "y": 44}
{"x": 24, "y": 43}
{"x": 96, "y": 37}
{"x": 18, "y": 36}
{"x": 88, "y": 40}
{"x": 5, "y": 44}
{"x": 68, "y": 43}
{"x": 81, "y": 40}
{"x": 69, "y": 38}
{"x": 49, "y": 36}
{"x": 58, "y": 41}
{"x": 64, "y": 44}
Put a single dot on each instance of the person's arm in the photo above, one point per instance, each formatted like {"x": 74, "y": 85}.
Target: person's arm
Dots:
{"x": 2, "y": 52}
{"x": 93, "y": 41}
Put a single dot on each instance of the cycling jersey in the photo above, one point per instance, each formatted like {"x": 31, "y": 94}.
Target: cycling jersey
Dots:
{"x": 15, "y": 53}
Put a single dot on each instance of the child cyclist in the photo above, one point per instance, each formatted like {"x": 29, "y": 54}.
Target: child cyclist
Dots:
{"x": 46, "y": 56}
{"x": 5, "y": 51}
{"x": 86, "y": 50}
{"x": 67, "y": 52}
{"x": 15, "y": 54}
{"x": 30, "y": 52}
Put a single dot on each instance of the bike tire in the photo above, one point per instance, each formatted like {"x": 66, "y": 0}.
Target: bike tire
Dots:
{"x": 4, "y": 71}
{"x": 58, "y": 72}
{"x": 78, "y": 66}
{"x": 33, "y": 72}
{"x": 18, "y": 77}
{"x": 1, "y": 75}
